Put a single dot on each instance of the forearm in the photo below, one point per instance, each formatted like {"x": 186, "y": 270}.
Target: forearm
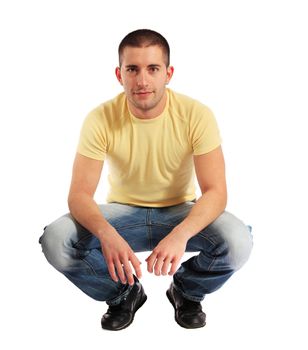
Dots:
{"x": 118, "y": 254}
{"x": 86, "y": 211}
{"x": 207, "y": 208}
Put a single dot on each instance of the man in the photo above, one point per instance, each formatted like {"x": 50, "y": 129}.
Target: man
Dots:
{"x": 154, "y": 140}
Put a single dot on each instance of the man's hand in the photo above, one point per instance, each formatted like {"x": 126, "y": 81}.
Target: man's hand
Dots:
{"x": 168, "y": 251}
{"x": 119, "y": 257}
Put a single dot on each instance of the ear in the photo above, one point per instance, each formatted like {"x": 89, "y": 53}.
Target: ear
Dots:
{"x": 170, "y": 71}
{"x": 118, "y": 75}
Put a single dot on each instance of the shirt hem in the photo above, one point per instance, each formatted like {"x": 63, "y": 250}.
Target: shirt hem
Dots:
{"x": 169, "y": 203}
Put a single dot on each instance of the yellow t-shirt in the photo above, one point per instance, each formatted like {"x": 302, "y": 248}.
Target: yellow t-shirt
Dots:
{"x": 150, "y": 161}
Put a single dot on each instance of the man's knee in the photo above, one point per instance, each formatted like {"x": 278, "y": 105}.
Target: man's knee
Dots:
{"x": 56, "y": 244}
{"x": 241, "y": 247}
{"x": 238, "y": 239}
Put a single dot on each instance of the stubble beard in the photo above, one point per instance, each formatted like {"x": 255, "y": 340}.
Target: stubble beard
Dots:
{"x": 147, "y": 106}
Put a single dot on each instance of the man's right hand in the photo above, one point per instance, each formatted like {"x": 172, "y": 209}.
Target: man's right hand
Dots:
{"x": 118, "y": 254}
{"x": 119, "y": 257}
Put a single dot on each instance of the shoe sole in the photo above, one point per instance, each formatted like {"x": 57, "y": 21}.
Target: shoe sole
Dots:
{"x": 177, "y": 321}
{"x": 143, "y": 300}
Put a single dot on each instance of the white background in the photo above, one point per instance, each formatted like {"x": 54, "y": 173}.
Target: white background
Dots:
{"x": 247, "y": 60}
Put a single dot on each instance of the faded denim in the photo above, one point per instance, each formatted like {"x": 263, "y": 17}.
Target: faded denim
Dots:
{"x": 223, "y": 247}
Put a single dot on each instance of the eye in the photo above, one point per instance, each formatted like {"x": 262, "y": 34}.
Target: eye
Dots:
{"x": 131, "y": 70}
{"x": 153, "y": 69}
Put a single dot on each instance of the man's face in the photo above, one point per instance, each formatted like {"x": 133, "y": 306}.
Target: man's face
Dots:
{"x": 144, "y": 75}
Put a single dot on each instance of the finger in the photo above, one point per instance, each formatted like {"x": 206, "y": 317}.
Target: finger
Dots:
{"x": 174, "y": 265}
{"x": 112, "y": 271}
{"x": 128, "y": 273}
{"x": 120, "y": 271}
{"x": 136, "y": 265}
{"x": 165, "y": 266}
{"x": 150, "y": 261}
{"x": 158, "y": 265}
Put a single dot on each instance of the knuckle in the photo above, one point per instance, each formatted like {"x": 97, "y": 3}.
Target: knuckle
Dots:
{"x": 109, "y": 260}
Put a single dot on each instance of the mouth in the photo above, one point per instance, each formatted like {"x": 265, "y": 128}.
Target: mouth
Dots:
{"x": 143, "y": 93}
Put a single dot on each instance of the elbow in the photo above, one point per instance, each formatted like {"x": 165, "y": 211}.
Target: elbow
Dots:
{"x": 223, "y": 194}
{"x": 221, "y": 199}
{"x": 224, "y": 201}
{"x": 220, "y": 196}
{"x": 70, "y": 203}
{"x": 71, "y": 200}
{"x": 77, "y": 199}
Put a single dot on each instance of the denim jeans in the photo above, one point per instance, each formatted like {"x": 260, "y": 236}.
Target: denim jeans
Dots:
{"x": 223, "y": 247}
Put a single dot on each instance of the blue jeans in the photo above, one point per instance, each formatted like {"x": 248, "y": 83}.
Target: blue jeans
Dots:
{"x": 223, "y": 247}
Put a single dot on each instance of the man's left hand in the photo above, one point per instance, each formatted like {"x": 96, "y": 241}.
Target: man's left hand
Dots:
{"x": 168, "y": 251}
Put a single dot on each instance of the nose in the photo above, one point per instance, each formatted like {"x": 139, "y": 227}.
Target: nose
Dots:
{"x": 142, "y": 80}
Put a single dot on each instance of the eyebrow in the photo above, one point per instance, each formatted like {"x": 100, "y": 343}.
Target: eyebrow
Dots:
{"x": 154, "y": 66}
{"x": 149, "y": 66}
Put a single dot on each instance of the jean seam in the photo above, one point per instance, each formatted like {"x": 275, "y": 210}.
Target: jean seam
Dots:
{"x": 211, "y": 264}
{"x": 128, "y": 226}
{"x": 89, "y": 266}
{"x": 149, "y": 228}
{"x": 85, "y": 237}
{"x": 162, "y": 225}
{"x": 75, "y": 244}
{"x": 205, "y": 237}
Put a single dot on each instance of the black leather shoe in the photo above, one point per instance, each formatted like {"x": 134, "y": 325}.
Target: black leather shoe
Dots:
{"x": 122, "y": 315}
{"x": 188, "y": 314}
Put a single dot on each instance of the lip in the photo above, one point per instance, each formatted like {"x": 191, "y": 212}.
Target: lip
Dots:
{"x": 142, "y": 92}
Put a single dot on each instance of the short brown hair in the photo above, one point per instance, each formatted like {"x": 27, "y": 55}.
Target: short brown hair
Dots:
{"x": 145, "y": 38}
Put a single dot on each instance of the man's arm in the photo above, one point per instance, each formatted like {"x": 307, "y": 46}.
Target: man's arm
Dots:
{"x": 117, "y": 252}
{"x": 210, "y": 172}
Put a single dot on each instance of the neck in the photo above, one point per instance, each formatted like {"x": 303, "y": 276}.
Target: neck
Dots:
{"x": 149, "y": 113}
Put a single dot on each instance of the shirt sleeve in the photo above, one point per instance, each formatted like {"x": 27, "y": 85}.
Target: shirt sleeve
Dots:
{"x": 204, "y": 132}
{"x": 92, "y": 140}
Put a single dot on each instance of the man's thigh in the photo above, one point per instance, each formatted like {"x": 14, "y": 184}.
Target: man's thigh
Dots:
{"x": 131, "y": 222}
{"x": 144, "y": 227}
{"x": 228, "y": 237}
{"x": 226, "y": 228}
{"x": 163, "y": 220}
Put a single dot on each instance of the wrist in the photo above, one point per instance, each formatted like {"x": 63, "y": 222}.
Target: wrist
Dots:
{"x": 181, "y": 233}
{"x": 185, "y": 230}
{"x": 104, "y": 232}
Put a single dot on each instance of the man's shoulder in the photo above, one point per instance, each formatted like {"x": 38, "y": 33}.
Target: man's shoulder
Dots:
{"x": 116, "y": 102}
{"x": 180, "y": 98}
{"x": 110, "y": 108}
{"x": 186, "y": 104}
